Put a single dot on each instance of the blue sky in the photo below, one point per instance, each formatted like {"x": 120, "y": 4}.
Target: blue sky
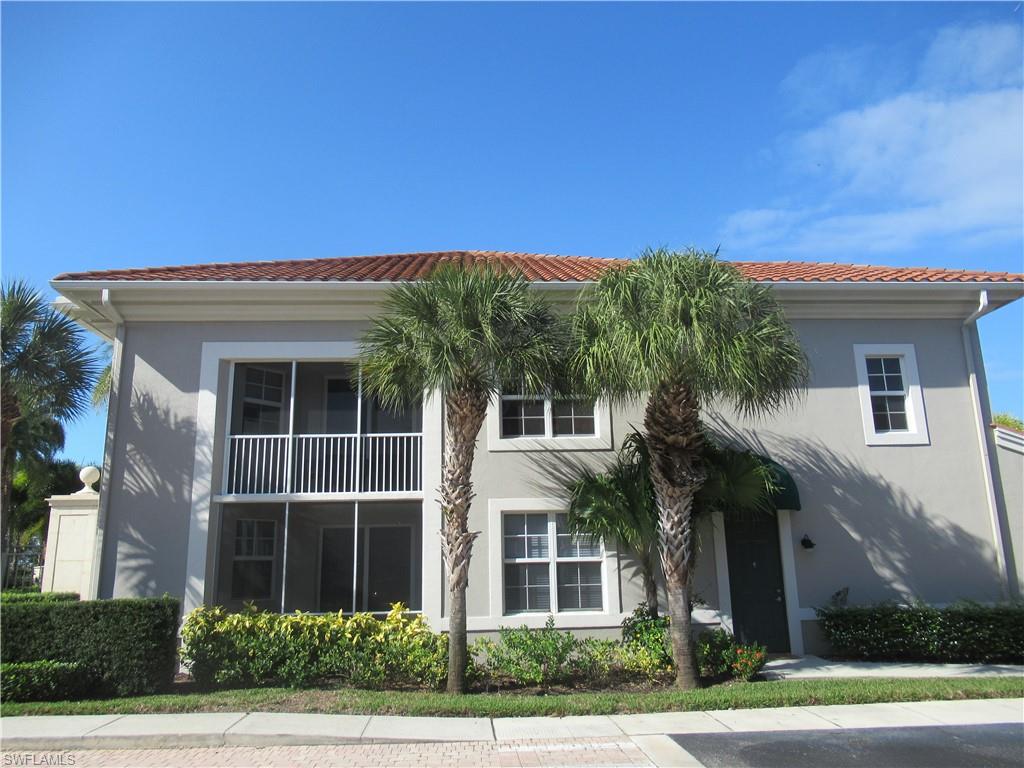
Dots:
{"x": 150, "y": 134}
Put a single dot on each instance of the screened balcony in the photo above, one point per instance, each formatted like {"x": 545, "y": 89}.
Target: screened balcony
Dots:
{"x": 320, "y": 437}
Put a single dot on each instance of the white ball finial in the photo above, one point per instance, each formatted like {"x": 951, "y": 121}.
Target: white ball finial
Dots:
{"x": 88, "y": 476}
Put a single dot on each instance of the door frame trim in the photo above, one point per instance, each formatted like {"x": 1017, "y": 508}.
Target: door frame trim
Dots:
{"x": 789, "y": 580}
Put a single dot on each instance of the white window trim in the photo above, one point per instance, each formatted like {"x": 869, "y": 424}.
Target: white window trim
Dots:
{"x": 212, "y": 356}
{"x": 917, "y": 425}
{"x": 272, "y": 558}
{"x": 601, "y": 440}
{"x": 552, "y": 561}
{"x": 611, "y": 615}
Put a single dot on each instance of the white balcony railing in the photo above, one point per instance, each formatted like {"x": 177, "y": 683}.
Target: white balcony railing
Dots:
{"x": 385, "y": 463}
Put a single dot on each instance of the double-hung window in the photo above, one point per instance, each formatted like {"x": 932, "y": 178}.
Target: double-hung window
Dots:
{"x": 263, "y": 401}
{"x": 892, "y": 405}
{"x": 527, "y": 416}
{"x": 546, "y": 569}
{"x": 252, "y": 572}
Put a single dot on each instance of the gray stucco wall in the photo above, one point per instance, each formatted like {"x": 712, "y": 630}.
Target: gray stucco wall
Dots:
{"x": 153, "y": 453}
{"x": 1010, "y": 469}
{"x": 890, "y": 522}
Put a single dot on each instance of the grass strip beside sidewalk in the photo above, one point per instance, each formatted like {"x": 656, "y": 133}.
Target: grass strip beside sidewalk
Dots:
{"x": 792, "y": 693}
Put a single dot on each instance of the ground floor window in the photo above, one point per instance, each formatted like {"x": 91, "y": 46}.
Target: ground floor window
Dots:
{"x": 252, "y": 571}
{"x": 547, "y": 569}
{"x": 320, "y": 556}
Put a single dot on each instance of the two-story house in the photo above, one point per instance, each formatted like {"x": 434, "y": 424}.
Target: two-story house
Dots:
{"x": 243, "y": 462}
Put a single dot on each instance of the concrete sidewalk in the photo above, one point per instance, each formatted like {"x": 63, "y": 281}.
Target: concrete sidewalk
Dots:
{"x": 280, "y": 729}
{"x": 809, "y": 667}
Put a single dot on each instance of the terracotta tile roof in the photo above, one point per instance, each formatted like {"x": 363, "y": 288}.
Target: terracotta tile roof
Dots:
{"x": 536, "y": 267}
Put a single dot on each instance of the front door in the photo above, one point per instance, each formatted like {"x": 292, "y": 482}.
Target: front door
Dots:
{"x": 755, "y": 581}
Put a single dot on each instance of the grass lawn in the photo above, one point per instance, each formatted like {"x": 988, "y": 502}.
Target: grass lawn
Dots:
{"x": 353, "y": 701}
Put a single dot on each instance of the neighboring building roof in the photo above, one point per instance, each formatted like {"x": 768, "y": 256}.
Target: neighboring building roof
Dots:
{"x": 536, "y": 267}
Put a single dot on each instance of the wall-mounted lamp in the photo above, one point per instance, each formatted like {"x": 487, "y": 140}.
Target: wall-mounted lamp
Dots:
{"x": 806, "y": 542}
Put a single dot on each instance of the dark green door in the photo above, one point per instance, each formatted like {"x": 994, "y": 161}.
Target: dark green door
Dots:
{"x": 755, "y": 582}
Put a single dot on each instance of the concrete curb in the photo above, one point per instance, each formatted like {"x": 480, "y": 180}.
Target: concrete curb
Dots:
{"x": 270, "y": 729}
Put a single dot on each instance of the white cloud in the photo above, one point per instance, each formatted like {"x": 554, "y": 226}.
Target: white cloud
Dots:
{"x": 933, "y": 162}
{"x": 982, "y": 56}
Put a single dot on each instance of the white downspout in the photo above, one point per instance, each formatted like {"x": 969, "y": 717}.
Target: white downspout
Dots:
{"x": 117, "y": 347}
{"x": 967, "y": 330}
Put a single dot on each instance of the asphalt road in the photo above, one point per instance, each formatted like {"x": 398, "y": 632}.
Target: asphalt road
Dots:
{"x": 962, "y": 746}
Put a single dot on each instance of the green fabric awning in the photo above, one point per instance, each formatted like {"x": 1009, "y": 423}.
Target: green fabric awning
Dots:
{"x": 786, "y": 495}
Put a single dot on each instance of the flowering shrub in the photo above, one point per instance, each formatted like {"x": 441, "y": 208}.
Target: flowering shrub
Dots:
{"x": 718, "y": 654}
{"x": 747, "y": 661}
{"x": 254, "y": 647}
{"x": 714, "y": 653}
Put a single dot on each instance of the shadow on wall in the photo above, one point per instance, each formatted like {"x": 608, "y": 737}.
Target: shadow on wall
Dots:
{"x": 872, "y": 535}
{"x": 149, "y": 516}
{"x": 552, "y": 477}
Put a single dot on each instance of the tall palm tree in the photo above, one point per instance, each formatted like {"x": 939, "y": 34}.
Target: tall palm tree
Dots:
{"x": 685, "y": 330}
{"x": 48, "y": 371}
{"x": 465, "y": 332}
{"x": 620, "y": 503}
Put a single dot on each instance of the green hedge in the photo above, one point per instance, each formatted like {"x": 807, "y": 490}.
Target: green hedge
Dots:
{"x": 964, "y": 632}
{"x": 43, "y": 681}
{"x": 254, "y": 647}
{"x": 125, "y": 647}
{"x": 8, "y": 596}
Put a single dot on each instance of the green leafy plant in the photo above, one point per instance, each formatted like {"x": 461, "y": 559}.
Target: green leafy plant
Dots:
{"x": 546, "y": 656}
{"x": 1009, "y": 421}
{"x": 714, "y": 652}
{"x": 43, "y": 681}
{"x": 963, "y": 632}
{"x": 745, "y": 661}
{"x": 254, "y": 647}
{"x": 9, "y": 596}
{"x": 125, "y": 646}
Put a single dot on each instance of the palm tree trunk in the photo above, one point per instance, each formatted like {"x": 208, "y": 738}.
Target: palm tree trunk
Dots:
{"x": 650, "y": 585}
{"x": 680, "y": 633}
{"x": 464, "y": 415}
{"x": 675, "y": 439}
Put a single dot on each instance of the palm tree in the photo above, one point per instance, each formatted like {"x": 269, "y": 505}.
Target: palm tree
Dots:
{"x": 48, "y": 371}
{"x": 620, "y": 504}
{"x": 685, "y": 330}
{"x": 465, "y": 332}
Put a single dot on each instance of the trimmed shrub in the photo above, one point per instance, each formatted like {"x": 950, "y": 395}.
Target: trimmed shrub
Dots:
{"x": 8, "y": 597}
{"x": 719, "y": 654}
{"x": 254, "y": 647}
{"x": 715, "y": 653}
{"x": 125, "y": 646}
{"x": 645, "y": 645}
{"x": 545, "y": 656}
{"x": 43, "y": 681}
{"x": 963, "y": 632}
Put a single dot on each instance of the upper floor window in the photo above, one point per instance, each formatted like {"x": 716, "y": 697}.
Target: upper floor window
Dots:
{"x": 892, "y": 407}
{"x": 263, "y": 401}
{"x": 527, "y": 416}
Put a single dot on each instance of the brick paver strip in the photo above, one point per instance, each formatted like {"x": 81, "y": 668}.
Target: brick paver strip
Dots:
{"x": 598, "y": 752}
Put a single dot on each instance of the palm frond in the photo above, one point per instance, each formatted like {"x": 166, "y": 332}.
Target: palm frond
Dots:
{"x": 686, "y": 316}
{"x": 462, "y": 328}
